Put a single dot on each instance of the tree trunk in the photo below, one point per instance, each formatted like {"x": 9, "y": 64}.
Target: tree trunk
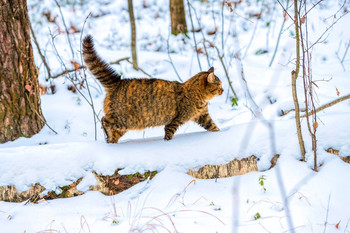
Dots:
{"x": 177, "y": 17}
{"x": 20, "y": 111}
{"x": 133, "y": 35}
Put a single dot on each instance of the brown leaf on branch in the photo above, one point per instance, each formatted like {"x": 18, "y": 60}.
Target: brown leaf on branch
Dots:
{"x": 42, "y": 89}
{"x": 213, "y": 32}
{"x": 200, "y": 51}
{"x": 76, "y": 65}
{"x": 338, "y": 93}
{"x": 302, "y": 20}
{"x": 257, "y": 15}
{"x": 229, "y": 4}
{"x": 73, "y": 29}
{"x": 285, "y": 16}
{"x": 337, "y": 225}
{"x": 315, "y": 125}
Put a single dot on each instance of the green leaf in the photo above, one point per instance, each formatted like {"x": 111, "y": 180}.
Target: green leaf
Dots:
{"x": 261, "y": 51}
{"x": 257, "y": 216}
{"x": 234, "y": 101}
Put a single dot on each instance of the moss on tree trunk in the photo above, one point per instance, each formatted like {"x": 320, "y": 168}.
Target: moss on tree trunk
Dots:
{"x": 20, "y": 111}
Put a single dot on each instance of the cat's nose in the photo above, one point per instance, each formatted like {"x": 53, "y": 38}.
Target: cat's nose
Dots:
{"x": 221, "y": 90}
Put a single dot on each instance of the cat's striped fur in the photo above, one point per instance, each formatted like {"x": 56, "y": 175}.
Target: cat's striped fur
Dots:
{"x": 135, "y": 104}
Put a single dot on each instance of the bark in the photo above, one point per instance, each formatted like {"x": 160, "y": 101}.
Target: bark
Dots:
{"x": 106, "y": 184}
{"x": 294, "y": 80}
{"x": 235, "y": 167}
{"x": 177, "y": 17}
{"x": 20, "y": 111}
{"x": 133, "y": 35}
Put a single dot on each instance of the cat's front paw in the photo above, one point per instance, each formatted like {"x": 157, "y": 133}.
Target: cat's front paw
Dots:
{"x": 214, "y": 129}
{"x": 168, "y": 137}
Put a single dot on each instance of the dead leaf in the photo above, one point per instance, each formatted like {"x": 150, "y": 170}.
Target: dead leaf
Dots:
{"x": 302, "y": 20}
{"x": 338, "y": 93}
{"x": 73, "y": 29}
{"x": 229, "y": 4}
{"x": 285, "y": 16}
{"x": 116, "y": 182}
{"x": 213, "y": 32}
{"x": 200, "y": 51}
{"x": 75, "y": 64}
{"x": 42, "y": 89}
{"x": 315, "y": 125}
{"x": 337, "y": 225}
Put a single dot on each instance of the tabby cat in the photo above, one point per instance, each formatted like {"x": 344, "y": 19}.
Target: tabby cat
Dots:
{"x": 135, "y": 104}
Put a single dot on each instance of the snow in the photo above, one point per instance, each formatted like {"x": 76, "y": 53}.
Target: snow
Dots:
{"x": 174, "y": 201}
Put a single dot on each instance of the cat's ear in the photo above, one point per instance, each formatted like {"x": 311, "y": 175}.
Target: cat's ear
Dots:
{"x": 211, "y": 77}
{"x": 211, "y": 70}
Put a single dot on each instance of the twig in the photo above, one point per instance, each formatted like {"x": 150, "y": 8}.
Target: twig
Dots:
{"x": 138, "y": 68}
{"x": 334, "y": 22}
{"x": 278, "y": 38}
{"x": 223, "y": 65}
{"x": 194, "y": 36}
{"x": 87, "y": 83}
{"x": 285, "y": 10}
{"x": 314, "y": 5}
{"x": 65, "y": 27}
{"x": 325, "y": 223}
{"x": 69, "y": 77}
{"x": 329, "y": 104}
{"x": 222, "y": 26}
{"x": 295, "y": 74}
{"x": 346, "y": 227}
{"x": 254, "y": 31}
{"x": 199, "y": 23}
{"x": 117, "y": 62}
{"x": 171, "y": 61}
{"x": 39, "y": 115}
{"x": 41, "y": 55}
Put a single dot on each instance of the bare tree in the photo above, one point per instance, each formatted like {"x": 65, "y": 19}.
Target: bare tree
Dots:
{"x": 20, "y": 111}
{"x": 177, "y": 17}
{"x": 133, "y": 35}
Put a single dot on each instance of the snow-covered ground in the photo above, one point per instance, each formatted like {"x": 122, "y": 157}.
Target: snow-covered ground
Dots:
{"x": 174, "y": 201}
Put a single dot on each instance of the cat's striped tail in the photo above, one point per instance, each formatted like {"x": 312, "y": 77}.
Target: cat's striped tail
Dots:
{"x": 98, "y": 67}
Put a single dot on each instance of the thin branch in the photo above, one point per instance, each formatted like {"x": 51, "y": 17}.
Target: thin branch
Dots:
{"x": 194, "y": 36}
{"x": 312, "y": 8}
{"x": 68, "y": 76}
{"x": 41, "y": 55}
{"x": 334, "y": 22}
{"x": 346, "y": 50}
{"x": 295, "y": 74}
{"x": 325, "y": 223}
{"x": 278, "y": 39}
{"x": 66, "y": 28}
{"x": 39, "y": 115}
{"x": 285, "y": 10}
{"x": 171, "y": 61}
{"x": 199, "y": 23}
{"x": 254, "y": 31}
{"x": 117, "y": 62}
{"x": 328, "y": 105}
{"x": 87, "y": 83}
{"x": 223, "y": 65}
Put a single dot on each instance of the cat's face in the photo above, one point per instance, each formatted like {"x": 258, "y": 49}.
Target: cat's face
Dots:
{"x": 213, "y": 86}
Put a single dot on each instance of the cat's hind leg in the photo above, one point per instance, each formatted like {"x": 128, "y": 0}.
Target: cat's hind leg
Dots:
{"x": 206, "y": 122}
